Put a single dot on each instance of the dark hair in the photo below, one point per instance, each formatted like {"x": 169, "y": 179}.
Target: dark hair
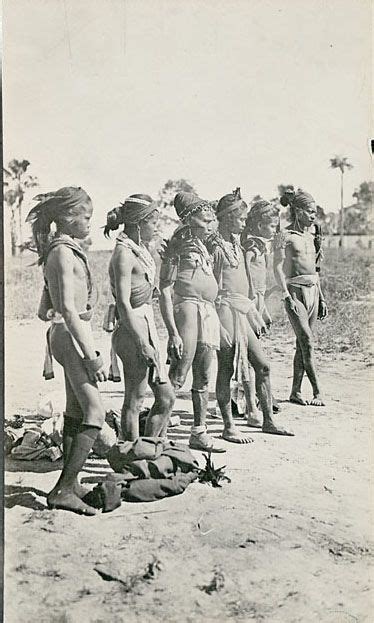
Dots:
{"x": 58, "y": 207}
{"x": 115, "y": 217}
{"x": 227, "y": 201}
{"x": 298, "y": 199}
{"x": 261, "y": 211}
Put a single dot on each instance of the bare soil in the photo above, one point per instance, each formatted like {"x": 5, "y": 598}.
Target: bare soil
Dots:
{"x": 288, "y": 540}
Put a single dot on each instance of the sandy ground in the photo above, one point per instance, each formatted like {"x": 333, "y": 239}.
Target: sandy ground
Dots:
{"x": 287, "y": 541}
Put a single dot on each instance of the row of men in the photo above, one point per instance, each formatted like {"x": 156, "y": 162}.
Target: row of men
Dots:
{"x": 212, "y": 298}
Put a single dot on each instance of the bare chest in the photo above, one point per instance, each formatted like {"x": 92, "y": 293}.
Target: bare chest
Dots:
{"x": 300, "y": 246}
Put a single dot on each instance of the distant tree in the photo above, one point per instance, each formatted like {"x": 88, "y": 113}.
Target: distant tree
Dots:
{"x": 341, "y": 163}
{"x": 16, "y": 182}
{"x": 171, "y": 188}
{"x": 358, "y": 217}
{"x": 365, "y": 194}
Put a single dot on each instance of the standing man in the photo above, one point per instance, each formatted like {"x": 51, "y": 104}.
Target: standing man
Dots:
{"x": 239, "y": 344}
{"x": 187, "y": 302}
{"x": 132, "y": 273}
{"x": 67, "y": 301}
{"x": 296, "y": 257}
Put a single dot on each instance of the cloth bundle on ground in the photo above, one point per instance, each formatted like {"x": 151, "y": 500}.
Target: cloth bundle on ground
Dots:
{"x": 147, "y": 469}
{"x": 35, "y": 445}
{"x": 34, "y": 442}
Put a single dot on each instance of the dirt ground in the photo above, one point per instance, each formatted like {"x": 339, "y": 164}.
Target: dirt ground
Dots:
{"x": 288, "y": 540}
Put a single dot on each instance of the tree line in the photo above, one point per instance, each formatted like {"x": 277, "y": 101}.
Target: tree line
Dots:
{"x": 356, "y": 218}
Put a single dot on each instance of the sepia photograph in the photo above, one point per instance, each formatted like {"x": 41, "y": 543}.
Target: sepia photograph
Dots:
{"x": 188, "y": 257}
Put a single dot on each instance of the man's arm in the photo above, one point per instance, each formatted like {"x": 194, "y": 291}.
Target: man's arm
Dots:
{"x": 323, "y": 311}
{"x": 280, "y": 277}
{"x": 175, "y": 345}
{"x": 123, "y": 267}
{"x": 64, "y": 265}
{"x": 249, "y": 255}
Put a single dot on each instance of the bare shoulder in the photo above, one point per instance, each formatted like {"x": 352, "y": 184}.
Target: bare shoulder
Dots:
{"x": 123, "y": 259}
{"x": 60, "y": 257}
{"x": 281, "y": 239}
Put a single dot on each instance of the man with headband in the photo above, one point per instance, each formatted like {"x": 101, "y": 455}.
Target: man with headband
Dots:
{"x": 256, "y": 239}
{"x": 132, "y": 273}
{"x": 296, "y": 262}
{"x": 188, "y": 291}
{"x": 67, "y": 302}
{"x": 240, "y": 347}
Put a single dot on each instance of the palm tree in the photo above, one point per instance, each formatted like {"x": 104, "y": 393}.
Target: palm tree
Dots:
{"x": 341, "y": 162}
{"x": 17, "y": 181}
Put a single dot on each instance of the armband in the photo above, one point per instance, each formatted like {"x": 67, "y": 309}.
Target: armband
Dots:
{"x": 168, "y": 271}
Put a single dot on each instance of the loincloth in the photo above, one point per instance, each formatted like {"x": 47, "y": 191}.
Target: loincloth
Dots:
{"x": 158, "y": 372}
{"x": 240, "y": 306}
{"x": 57, "y": 319}
{"x": 208, "y": 325}
{"x": 308, "y": 285}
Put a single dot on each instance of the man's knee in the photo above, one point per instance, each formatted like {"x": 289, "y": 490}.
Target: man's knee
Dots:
{"x": 166, "y": 399}
{"x": 134, "y": 402}
{"x": 201, "y": 380}
{"x": 179, "y": 369}
{"x": 306, "y": 341}
{"x": 177, "y": 379}
{"x": 263, "y": 368}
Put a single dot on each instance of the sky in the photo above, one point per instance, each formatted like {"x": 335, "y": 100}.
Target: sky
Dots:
{"x": 118, "y": 96}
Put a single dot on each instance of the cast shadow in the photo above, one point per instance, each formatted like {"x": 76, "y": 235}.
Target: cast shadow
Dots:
{"x": 15, "y": 495}
{"x": 42, "y": 466}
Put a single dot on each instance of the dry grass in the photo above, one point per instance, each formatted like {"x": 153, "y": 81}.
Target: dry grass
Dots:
{"x": 346, "y": 278}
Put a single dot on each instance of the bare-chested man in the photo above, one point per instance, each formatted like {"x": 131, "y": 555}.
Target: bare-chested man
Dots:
{"x": 188, "y": 292}
{"x": 239, "y": 344}
{"x": 132, "y": 274}
{"x": 256, "y": 239}
{"x": 295, "y": 271}
{"x": 67, "y": 302}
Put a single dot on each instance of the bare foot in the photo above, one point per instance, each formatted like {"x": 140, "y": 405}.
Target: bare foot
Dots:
{"x": 80, "y": 490}
{"x": 253, "y": 422}
{"x": 232, "y": 434}
{"x": 67, "y": 500}
{"x": 316, "y": 401}
{"x": 298, "y": 399}
{"x": 271, "y": 429}
{"x": 203, "y": 442}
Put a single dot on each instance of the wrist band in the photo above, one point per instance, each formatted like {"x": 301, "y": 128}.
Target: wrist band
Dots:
{"x": 93, "y": 365}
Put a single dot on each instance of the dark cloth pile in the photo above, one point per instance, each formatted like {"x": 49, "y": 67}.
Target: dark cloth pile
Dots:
{"x": 29, "y": 442}
{"x": 146, "y": 470}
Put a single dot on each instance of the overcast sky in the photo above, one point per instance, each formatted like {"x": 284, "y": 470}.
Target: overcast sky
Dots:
{"x": 118, "y": 96}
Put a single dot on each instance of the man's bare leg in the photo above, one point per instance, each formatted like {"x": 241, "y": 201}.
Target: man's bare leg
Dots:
{"x": 302, "y": 327}
{"x": 225, "y": 371}
{"x": 253, "y": 417}
{"x": 263, "y": 389}
{"x": 186, "y": 320}
{"x": 159, "y": 415}
{"x": 298, "y": 375}
{"x": 135, "y": 372}
{"x": 72, "y": 418}
{"x": 78, "y": 439}
{"x": 135, "y": 390}
{"x": 63, "y": 495}
{"x": 201, "y": 366}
